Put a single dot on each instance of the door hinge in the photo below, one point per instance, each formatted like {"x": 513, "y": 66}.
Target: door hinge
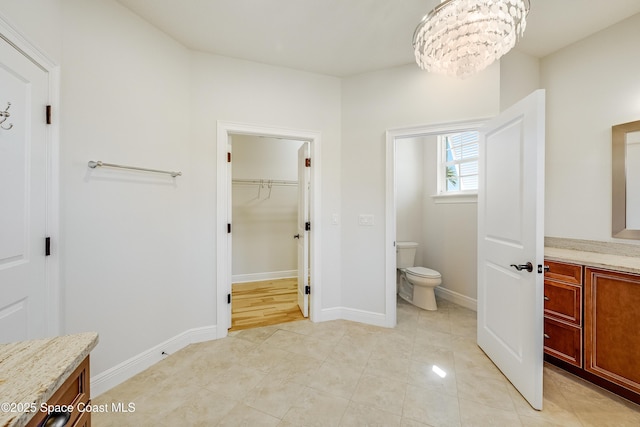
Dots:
{"x": 48, "y": 114}
{"x": 228, "y": 157}
{"x": 307, "y": 290}
{"x": 47, "y": 246}
{"x": 307, "y": 162}
{"x": 307, "y": 226}
{"x": 228, "y": 298}
{"x": 228, "y": 228}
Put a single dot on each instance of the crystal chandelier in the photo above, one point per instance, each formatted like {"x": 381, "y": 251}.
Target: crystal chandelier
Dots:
{"x": 461, "y": 37}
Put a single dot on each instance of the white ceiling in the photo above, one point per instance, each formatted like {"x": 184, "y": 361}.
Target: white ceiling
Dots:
{"x": 346, "y": 37}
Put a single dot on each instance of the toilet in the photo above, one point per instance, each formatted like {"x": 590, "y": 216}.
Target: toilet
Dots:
{"x": 415, "y": 284}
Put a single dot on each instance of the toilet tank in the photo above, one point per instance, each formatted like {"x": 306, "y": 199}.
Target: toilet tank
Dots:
{"x": 405, "y": 254}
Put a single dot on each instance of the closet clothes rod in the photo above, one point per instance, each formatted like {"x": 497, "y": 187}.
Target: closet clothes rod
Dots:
{"x": 264, "y": 182}
{"x": 93, "y": 164}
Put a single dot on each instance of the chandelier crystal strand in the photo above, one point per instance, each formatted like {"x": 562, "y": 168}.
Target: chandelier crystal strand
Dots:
{"x": 461, "y": 37}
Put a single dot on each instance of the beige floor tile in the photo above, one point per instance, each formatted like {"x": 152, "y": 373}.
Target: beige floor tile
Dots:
{"x": 346, "y": 352}
{"x": 381, "y": 393}
{"x": 358, "y": 415}
{"x": 255, "y": 335}
{"x": 263, "y": 357}
{"x": 273, "y": 397}
{"x": 390, "y": 344}
{"x": 394, "y": 368}
{"x": 244, "y": 416}
{"x": 490, "y": 392}
{"x": 474, "y": 414}
{"x": 296, "y": 368}
{"x": 406, "y": 422}
{"x": 431, "y": 407}
{"x": 234, "y": 382}
{"x": 336, "y": 379}
{"x": 432, "y": 375}
{"x": 609, "y": 419}
{"x": 202, "y": 408}
{"x": 351, "y": 374}
{"x": 313, "y": 408}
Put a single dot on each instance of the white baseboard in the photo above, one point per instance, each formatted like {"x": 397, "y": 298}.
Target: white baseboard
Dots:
{"x": 362, "y": 316}
{"x": 256, "y": 277}
{"x": 110, "y": 378}
{"x": 463, "y": 300}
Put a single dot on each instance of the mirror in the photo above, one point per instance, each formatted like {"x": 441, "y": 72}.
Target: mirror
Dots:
{"x": 625, "y": 140}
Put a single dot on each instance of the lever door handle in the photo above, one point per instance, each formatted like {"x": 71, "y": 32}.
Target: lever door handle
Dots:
{"x": 528, "y": 266}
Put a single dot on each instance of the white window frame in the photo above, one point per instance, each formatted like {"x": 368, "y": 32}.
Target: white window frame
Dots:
{"x": 452, "y": 196}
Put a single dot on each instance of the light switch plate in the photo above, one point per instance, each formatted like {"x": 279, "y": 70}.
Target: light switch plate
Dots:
{"x": 365, "y": 220}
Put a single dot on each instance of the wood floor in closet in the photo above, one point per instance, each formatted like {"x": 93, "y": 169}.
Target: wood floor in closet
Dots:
{"x": 264, "y": 303}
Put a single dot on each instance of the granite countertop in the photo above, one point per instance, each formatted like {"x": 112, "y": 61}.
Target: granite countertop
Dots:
{"x": 31, "y": 371}
{"x": 607, "y": 255}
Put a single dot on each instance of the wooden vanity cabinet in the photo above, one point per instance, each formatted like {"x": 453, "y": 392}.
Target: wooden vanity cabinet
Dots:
{"x": 612, "y": 327}
{"x": 74, "y": 391}
{"x": 563, "y": 312}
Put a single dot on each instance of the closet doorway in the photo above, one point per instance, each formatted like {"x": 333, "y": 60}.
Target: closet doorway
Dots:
{"x": 262, "y": 185}
{"x": 269, "y": 210}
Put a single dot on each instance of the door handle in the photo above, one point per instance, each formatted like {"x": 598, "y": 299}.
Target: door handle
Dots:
{"x": 528, "y": 266}
{"x": 297, "y": 236}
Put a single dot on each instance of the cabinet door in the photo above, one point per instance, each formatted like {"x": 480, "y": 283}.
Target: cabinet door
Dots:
{"x": 612, "y": 340}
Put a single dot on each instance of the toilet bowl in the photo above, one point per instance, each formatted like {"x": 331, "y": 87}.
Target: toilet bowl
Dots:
{"x": 415, "y": 284}
{"x": 424, "y": 281}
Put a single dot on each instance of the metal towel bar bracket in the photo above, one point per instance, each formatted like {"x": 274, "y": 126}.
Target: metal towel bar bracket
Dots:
{"x": 93, "y": 164}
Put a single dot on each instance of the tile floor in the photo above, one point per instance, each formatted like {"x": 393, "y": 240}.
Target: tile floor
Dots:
{"x": 343, "y": 373}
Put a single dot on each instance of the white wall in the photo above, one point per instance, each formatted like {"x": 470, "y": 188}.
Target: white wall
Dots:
{"x": 446, "y": 232}
{"x": 138, "y": 250}
{"x": 519, "y": 76}
{"x": 591, "y": 86}
{"x": 240, "y": 91}
{"x": 410, "y": 193}
{"x": 450, "y": 232}
{"x": 125, "y": 246}
{"x": 264, "y": 220}
{"x": 371, "y": 104}
{"x": 39, "y": 20}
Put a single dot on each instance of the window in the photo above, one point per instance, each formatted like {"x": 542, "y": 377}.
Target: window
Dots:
{"x": 458, "y": 165}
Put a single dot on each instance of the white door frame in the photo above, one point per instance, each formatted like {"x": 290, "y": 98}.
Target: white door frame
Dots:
{"x": 223, "y": 196}
{"x": 390, "y": 204}
{"x": 52, "y": 263}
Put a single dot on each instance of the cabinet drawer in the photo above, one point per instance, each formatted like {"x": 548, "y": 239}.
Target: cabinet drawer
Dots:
{"x": 563, "y": 341}
{"x": 563, "y": 302}
{"x": 84, "y": 420}
{"x": 563, "y": 272}
{"x": 72, "y": 392}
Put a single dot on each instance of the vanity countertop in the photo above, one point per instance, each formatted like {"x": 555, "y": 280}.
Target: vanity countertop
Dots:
{"x": 31, "y": 371}
{"x": 628, "y": 264}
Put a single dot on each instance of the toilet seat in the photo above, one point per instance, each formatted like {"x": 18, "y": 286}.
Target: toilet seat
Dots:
{"x": 424, "y": 272}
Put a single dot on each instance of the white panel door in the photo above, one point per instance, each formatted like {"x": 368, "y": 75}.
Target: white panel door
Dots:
{"x": 303, "y": 234}
{"x": 23, "y": 192}
{"x": 510, "y": 235}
